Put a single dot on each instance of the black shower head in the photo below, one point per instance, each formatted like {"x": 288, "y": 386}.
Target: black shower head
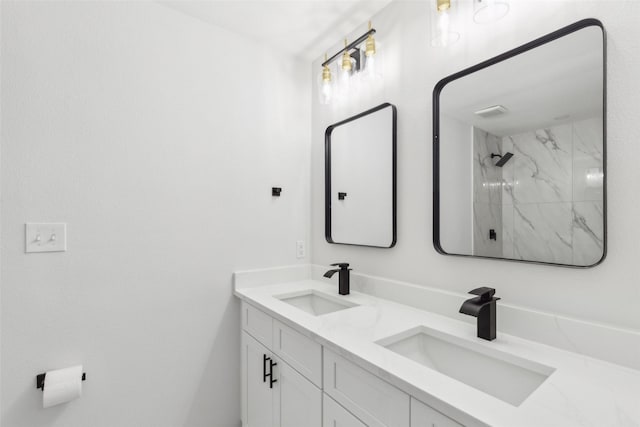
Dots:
{"x": 503, "y": 159}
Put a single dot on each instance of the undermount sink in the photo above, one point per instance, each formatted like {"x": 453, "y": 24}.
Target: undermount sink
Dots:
{"x": 505, "y": 376}
{"x": 315, "y": 303}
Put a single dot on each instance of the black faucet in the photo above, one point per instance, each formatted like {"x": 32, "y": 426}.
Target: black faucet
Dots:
{"x": 343, "y": 282}
{"x": 484, "y": 308}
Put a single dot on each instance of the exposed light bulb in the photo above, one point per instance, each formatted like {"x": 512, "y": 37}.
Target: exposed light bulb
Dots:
{"x": 444, "y": 21}
{"x": 370, "y": 67}
{"x": 327, "y": 93}
{"x": 443, "y": 33}
{"x": 345, "y": 72}
{"x": 326, "y": 86}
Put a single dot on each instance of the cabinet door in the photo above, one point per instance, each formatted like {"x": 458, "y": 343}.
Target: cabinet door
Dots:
{"x": 334, "y": 415}
{"x": 257, "y": 397}
{"x": 374, "y": 401}
{"x": 297, "y": 401}
{"x": 425, "y": 416}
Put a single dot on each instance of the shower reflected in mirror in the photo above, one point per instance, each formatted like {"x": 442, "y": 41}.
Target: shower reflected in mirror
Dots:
{"x": 519, "y": 153}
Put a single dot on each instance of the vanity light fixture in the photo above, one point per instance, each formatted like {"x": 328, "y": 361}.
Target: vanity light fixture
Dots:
{"x": 370, "y": 45}
{"x": 443, "y": 32}
{"x": 370, "y": 68}
{"x": 326, "y": 84}
{"x": 488, "y": 11}
{"x": 355, "y": 57}
{"x": 346, "y": 59}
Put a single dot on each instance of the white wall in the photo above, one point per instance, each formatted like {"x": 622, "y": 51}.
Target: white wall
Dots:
{"x": 456, "y": 186}
{"x": 156, "y": 138}
{"x": 608, "y": 293}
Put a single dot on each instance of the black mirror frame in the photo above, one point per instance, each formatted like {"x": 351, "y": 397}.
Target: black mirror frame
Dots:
{"x": 590, "y": 22}
{"x": 327, "y": 174}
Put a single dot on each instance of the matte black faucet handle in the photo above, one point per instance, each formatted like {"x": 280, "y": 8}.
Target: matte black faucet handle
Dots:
{"x": 341, "y": 265}
{"x": 485, "y": 293}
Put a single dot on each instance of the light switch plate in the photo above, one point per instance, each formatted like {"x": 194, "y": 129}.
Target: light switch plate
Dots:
{"x": 300, "y": 249}
{"x": 44, "y": 237}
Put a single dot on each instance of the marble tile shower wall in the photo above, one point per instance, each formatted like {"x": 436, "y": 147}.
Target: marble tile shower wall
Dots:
{"x": 551, "y": 194}
{"x": 487, "y": 194}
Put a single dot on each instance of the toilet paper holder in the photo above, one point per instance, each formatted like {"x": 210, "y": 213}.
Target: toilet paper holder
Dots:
{"x": 40, "y": 380}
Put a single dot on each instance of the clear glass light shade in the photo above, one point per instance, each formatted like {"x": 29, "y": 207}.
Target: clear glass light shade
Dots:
{"x": 444, "y": 23}
{"x": 372, "y": 66}
{"x": 344, "y": 79}
{"x": 488, "y": 11}
{"x": 326, "y": 87}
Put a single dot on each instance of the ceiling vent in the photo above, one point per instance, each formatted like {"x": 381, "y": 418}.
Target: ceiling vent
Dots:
{"x": 496, "y": 110}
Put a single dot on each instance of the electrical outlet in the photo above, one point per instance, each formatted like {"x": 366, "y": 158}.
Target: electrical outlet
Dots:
{"x": 300, "y": 249}
{"x": 45, "y": 237}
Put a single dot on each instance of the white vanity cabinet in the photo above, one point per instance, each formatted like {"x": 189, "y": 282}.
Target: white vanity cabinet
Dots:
{"x": 297, "y": 402}
{"x": 376, "y": 402}
{"x": 289, "y": 380}
{"x": 257, "y": 396}
{"x": 274, "y": 394}
{"x": 334, "y": 415}
{"x": 425, "y": 416}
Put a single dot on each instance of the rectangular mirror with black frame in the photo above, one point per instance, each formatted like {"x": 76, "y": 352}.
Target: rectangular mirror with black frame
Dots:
{"x": 519, "y": 153}
{"x": 360, "y": 179}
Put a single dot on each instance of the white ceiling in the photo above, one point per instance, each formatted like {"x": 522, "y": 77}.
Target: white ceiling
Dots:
{"x": 304, "y": 28}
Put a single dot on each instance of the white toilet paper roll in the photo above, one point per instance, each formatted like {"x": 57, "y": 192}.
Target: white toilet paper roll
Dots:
{"x": 62, "y": 385}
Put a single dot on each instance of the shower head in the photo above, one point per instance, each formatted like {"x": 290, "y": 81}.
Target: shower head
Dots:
{"x": 503, "y": 158}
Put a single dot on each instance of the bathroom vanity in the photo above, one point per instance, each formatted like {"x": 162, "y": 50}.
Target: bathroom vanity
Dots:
{"x": 311, "y": 357}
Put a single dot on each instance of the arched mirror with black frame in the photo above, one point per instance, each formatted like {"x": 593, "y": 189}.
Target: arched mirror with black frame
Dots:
{"x": 519, "y": 158}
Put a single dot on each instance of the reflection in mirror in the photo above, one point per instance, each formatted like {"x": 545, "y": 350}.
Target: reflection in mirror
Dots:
{"x": 520, "y": 153}
{"x": 360, "y": 179}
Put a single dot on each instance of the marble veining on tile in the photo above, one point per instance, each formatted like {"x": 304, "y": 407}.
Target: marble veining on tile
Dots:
{"x": 542, "y": 232}
{"x": 542, "y": 165}
{"x": 487, "y": 177}
{"x": 487, "y": 194}
{"x": 486, "y": 217}
{"x": 587, "y": 160}
{"x": 588, "y": 232}
{"x": 552, "y": 194}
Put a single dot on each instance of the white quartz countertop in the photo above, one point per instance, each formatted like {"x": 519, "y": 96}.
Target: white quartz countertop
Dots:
{"x": 582, "y": 391}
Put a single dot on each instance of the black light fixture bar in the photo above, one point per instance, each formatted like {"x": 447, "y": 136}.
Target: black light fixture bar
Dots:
{"x": 350, "y": 46}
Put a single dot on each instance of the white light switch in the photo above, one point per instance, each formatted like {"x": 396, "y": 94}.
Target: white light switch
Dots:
{"x": 45, "y": 237}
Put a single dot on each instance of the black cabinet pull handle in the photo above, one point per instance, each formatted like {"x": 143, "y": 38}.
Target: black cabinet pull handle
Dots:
{"x": 271, "y": 379}
{"x": 264, "y": 368}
